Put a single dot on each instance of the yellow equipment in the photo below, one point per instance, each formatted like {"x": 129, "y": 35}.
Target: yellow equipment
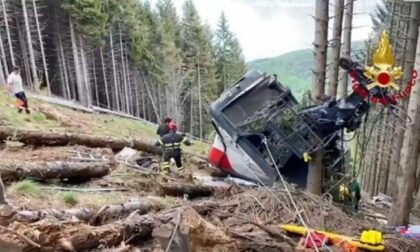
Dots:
{"x": 344, "y": 192}
{"x": 369, "y": 240}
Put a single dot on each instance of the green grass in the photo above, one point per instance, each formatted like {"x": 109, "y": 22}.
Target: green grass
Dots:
{"x": 37, "y": 117}
{"x": 97, "y": 124}
{"x": 124, "y": 127}
{"x": 26, "y": 187}
{"x": 69, "y": 198}
{"x": 10, "y": 115}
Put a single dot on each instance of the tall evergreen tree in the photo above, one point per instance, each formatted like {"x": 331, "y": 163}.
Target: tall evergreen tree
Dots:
{"x": 198, "y": 62}
{"x": 89, "y": 16}
{"x": 170, "y": 59}
{"x": 230, "y": 63}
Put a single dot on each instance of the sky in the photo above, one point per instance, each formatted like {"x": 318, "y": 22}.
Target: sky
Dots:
{"x": 268, "y": 28}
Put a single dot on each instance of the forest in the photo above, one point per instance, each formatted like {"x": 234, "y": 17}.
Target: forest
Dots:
{"x": 122, "y": 55}
{"x": 74, "y": 179}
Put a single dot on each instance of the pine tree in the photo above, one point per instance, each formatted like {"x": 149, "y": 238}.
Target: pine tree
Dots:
{"x": 170, "y": 59}
{"x": 406, "y": 181}
{"x": 230, "y": 63}
{"x": 198, "y": 63}
{"x": 89, "y": 16}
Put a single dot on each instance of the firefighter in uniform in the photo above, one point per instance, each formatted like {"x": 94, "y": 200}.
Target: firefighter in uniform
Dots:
{"x": 171, "y": 144}
{"x": 350, "y": 192}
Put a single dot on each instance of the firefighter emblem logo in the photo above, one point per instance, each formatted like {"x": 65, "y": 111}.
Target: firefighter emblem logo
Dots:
{"x": 383, "y": 73}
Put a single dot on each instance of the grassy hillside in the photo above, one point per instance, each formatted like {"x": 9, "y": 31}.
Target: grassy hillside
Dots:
{"x": 79, "y": 122}
{"x": 293, "y": 68}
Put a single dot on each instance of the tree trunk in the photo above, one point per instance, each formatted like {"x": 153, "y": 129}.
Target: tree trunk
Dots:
{"x": 2, "y": 192}
{"x": 86, "y": 81}
{"x": 13, "y": 171}
{"x": 192, "y": 190}
{"x": 200, "y": 105}
{"x": 151, "y": 99}
{"x": 41, "y": 44}
{"x": 30, "y": 47}
{"x": 114, "y": 72}
{"x": 383, "y": 155}
{"x": 25, "y": 53}
{"x": 77, "y": 69}
{"x": 335, "y": 48}
{"x": 192, "y": 110}
{"x": 143, "y": 99}
{"x": 3, "y": 58}
{"x": 61, "y": 139}
{"x": 2, "y": 75}
{"x": 108, "y": 101}
{"x": 137, "y": 96}
{"x": 412, "y": 38}
{"x": 141, "y": 228}
{"x": 9, "y": 39}
{"x": 106, "y": 213}
{"x": 403, "y": 201}
{"x": 377, "y": 157}
{"x": 315, "y": 173}
{"x": 347, "y": 28}
{"x": 130, "y": 95}
{"x": 95, "y": 82}
{"x": 62, "y": 56}
{"x": 124, "y": 79}
{"x": 64, "y": 68}
{"x": 52, "y": 114}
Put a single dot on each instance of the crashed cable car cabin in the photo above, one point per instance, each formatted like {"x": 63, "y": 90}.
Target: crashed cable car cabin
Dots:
{"x": 258, "y": 129}
{"x": 261, "y": 131}
{"x": 253, "y": 119}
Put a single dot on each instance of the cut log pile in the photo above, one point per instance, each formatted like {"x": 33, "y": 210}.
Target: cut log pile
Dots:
{"x": 244, "y": 222}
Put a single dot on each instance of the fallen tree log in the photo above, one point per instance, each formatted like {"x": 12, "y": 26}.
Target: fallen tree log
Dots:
{"x": 197, "y": 233}
{"x": 12, "y": 171}
{"x": 40, "y": 138}
{"x": 52, "y": 114}
{"x": 192, "y": 190}
{"x": 106, "y": 213}
{"x": 62, "y": 102}
{"x": 85, "y": 190}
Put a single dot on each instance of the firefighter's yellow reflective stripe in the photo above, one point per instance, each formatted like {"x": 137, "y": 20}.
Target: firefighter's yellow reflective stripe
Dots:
{"x": 164, "y": 165}
{"x": 160, "y": 141}
{"x": 306, "y": 157}
{"x": 174, "y": 144}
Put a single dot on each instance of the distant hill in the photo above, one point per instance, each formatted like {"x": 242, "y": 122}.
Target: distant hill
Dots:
{"x": 293, "y": 68}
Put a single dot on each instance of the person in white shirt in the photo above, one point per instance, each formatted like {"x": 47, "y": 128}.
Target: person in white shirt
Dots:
{"x": 15, "y": 85}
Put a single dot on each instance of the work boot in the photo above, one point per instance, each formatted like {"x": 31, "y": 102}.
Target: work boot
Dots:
{"x": 179, "y": 171}
{"x": 164, "y": 168}
{"x": 27, "y": 111}
{"x": 20, "y": 111}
